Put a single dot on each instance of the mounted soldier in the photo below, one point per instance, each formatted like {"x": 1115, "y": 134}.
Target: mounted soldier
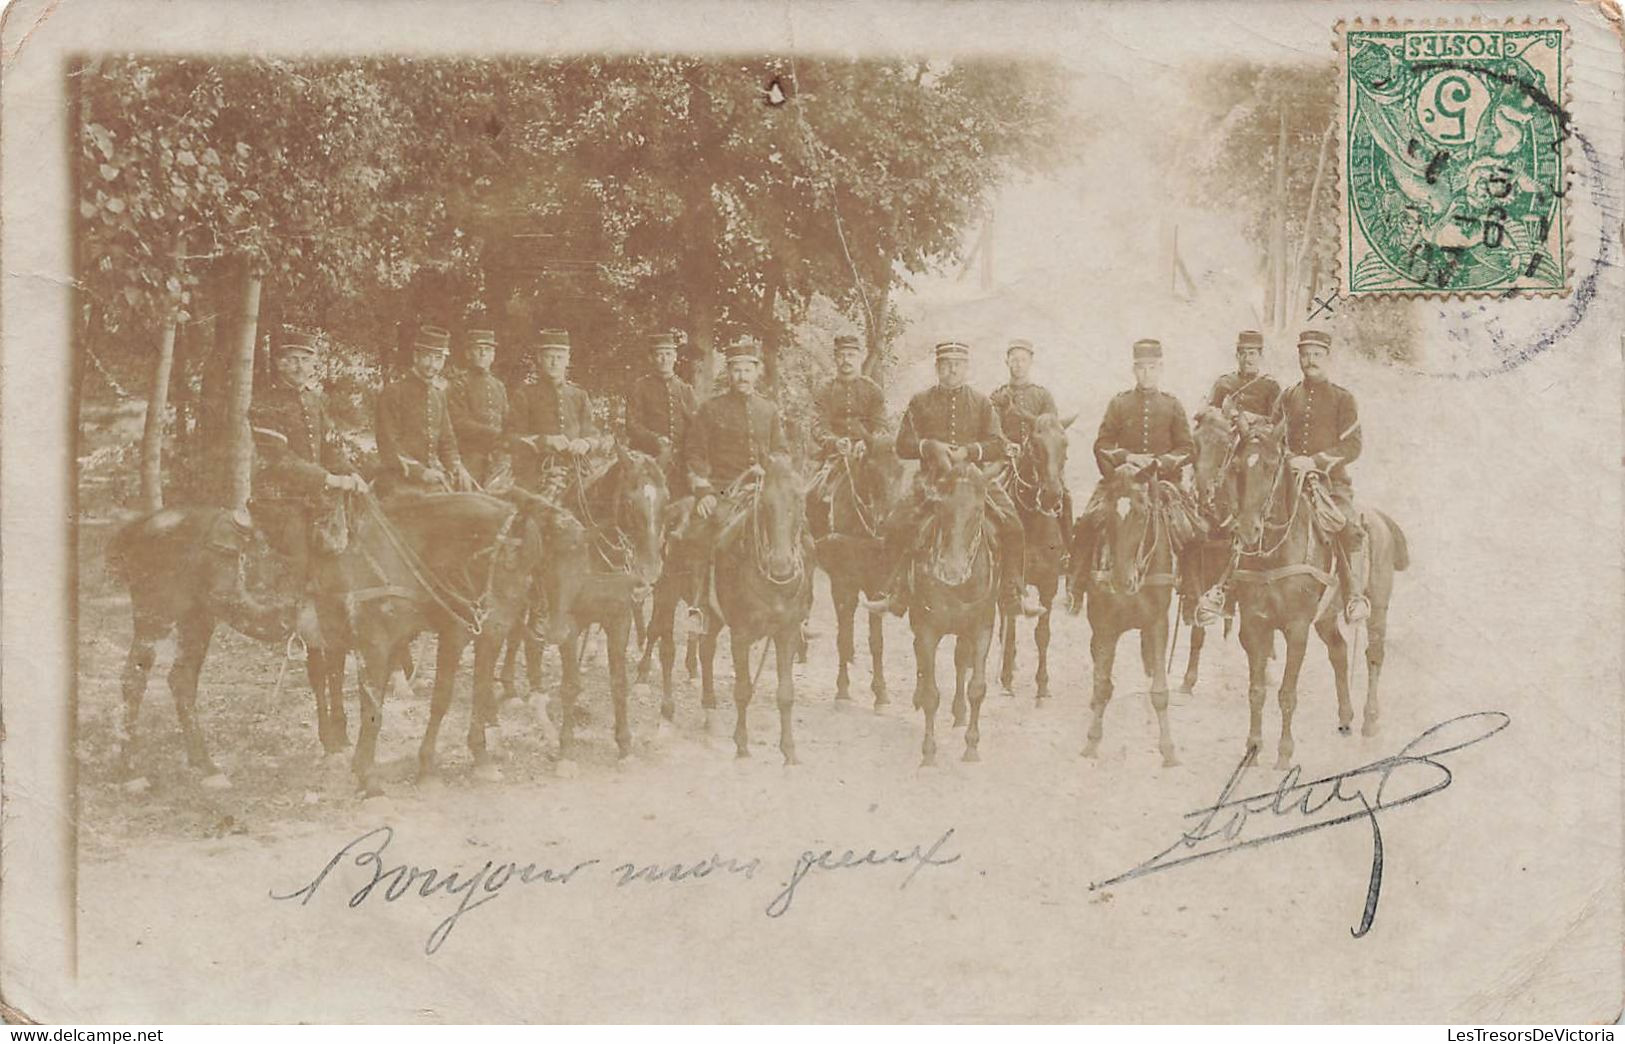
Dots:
{"x": 1323, "y": 435}
{"x": 850, "y": 416}
{"x": 1248, "y": 389}
{"x": 659, "y": 412}
{"x": 479, "y": 410}
{"x": 1020, "y": 402}
{"x": 1144, "y": 436}
{"x": 945, "y": 425}
{"x": 417, "y": 447}
{"x": 553, "y": 414}
{"x": 298, "y": 464}
{"x": 732, "y": 437}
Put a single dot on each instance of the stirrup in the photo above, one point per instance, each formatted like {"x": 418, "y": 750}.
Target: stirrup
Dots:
{"x": 1357, "y": 609}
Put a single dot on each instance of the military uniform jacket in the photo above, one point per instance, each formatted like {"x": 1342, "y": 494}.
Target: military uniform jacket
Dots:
{"x": 302, "y": 468}
{"x": 1255, "y": 394}
{"x": 1139, "y": 421}
{"x": 414, "y": 421}
{"x": 659, "y": 408}
{"x": 849, "y": 409}
{"x": 1323, "y": 423}
{"x": 1019, "y": 405}
{"x": 731, "y": 433}
{"x": 958, "y": 416}
{"x": 479, "y": 411}
{"x": 545, "y": 408}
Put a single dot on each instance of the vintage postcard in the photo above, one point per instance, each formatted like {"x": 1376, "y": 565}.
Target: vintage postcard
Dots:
{"x": 811, "y": 512}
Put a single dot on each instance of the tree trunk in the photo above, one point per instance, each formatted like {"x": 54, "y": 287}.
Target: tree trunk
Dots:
{"x": 874, "y": 333}
{"x": 1303, "y": 290}
{"x": 1277, "y": 304}
{"x": 152, "y": 433}
{"x": 238, "y": 440}
{"x": 702, "y": 321}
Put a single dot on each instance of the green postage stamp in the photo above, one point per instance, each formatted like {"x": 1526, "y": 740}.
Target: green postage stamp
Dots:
{"x": 1453, "y": 148}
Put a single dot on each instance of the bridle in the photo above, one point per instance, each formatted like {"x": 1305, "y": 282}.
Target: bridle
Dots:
{"x": 1029, "y": 493}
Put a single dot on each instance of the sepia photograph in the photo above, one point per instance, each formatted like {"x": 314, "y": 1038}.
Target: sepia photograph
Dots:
{"x": 812, "y": 513}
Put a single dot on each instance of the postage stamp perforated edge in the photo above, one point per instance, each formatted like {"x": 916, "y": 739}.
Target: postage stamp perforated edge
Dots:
{"x": 1346, "y": 227}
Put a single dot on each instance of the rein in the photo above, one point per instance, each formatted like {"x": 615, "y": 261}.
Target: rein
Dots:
{"x": 870, "y": 529}
{"x": 602, "y": 544}
{"x": 1018, "y": 484}
{"x": 1282, "y": 572}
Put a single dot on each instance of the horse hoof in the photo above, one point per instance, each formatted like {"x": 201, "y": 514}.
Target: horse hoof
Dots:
{"x": 1344, "y": 730}
{"x": 959, "y": 721}
{"x": 843, "y": 696}
{"x": 1283, "y": 763}
{"x": 216, "y": 781}
{"x": 1186, "y": 688}
{"x": 370, "y": 789}
{"x": 790, "y": 759}
{"x": 429, "y": 781}
{"x": 1007, "y": 690}
{"x": 566, "y": 769}
{"x": 972, "y": 754}
{"x": 138, "y": 785}
{"x": 1091, "y": 751}
{"x": 1369, "y": 729}
{"x": 1170, "y": 760}
{"x": 741, "y": 752}
{"x": 928, "y": 761}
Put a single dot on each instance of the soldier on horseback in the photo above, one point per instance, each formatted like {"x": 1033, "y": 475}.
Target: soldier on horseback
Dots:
{"x": 851, "y": 414}
{"x": 660, "y": 411}
{"x": 554, "y": 414}
{"x": 298, "y": 462}
{"x": 1248, "y": 389}
{"x": 479, "y": 408}
{"x": 733, "y": 434}
{"x": 417, "y": 448}
{"x": 946, "y": 425}
{"x": 1021, "y": 401}
{"x": 1144, "y": 435}
{"x": 1323, "y": 436}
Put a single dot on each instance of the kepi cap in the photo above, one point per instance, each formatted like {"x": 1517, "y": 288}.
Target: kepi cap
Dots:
{"x": 1249, "y": 339}
{"x": 1147, "y": 348}
{"x": 553, "y": 339}
{"x": 847, "y": 342}
{"x": 1020, "y": 344}
{"x": 432, "y": 339}
{"x": 296, "y": 341}
{"x": 952, "y": 350}
{"x": 743, "y": 347}
{"x": 482, "y": 338}
{"x": 660, "y": 341}
{"x": 1315, "y": 339}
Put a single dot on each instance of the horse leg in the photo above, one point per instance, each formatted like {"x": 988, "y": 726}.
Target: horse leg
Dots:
{"x": 510, "y": 653}
{"x": 375, "y": 663}
{"x": 708, "y": 685}
{"x": 192, "y": 636}
{"x": 1337, "y": 651}
{"x": 137, "y": 667}
{"x": 926, "y": 696}
{"x": 1103, "y": 651}
{"x": 691, "y": 657}
{"x": 535, "y": 653}
{"x": 877, "y": 658}
{"x": 787, "y": 693}
{"x": 1297, "y": 643}
{"x": 569, "y": 686}
{"x": 1258, "y": 639}
{"x": 962, "y": 649}
{"x": 1007, "y": 653}
{"x": 448, "y": 652}
{"x": 1041, "y": 640}
{"x": 845, "y": 597}
{"x": 483, "y": 713}
{"x": 1198, "y": 636}
{"x": 615, "y": 635}
{"x": 977, "y": 645}
{"x": 742, "y": 692}
{"x": 1154, "y": 646}
{"x": 1376, "y": 639}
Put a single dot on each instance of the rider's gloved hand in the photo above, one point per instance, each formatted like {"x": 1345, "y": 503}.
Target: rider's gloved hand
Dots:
{"x": 580, "y": 447}
{"x": 557, "y": 443}
{"x": 843, "y": 445}
{"x": 707, "y": 504}
{"x": 1012, "y": 450}
{"x": 1299, "y": 465}
{"x": 433, "y": 476}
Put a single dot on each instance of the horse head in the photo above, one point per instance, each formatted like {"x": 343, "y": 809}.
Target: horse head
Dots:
{"x": 1045, "y": 454}
{"x": 556, "y": 558}
{"x": 780, "y": 519}
{"x": 640, "y": 499}
{"x": 879, "y": 477}
{"x": 1127, "y": 527}
{"x": 959, "y": 514}
{"x": 1256, "y": 472}
{"x": 1215, "y": 439}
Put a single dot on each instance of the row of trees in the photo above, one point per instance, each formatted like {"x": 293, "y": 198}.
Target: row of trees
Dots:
{"x": 607, "y": 195}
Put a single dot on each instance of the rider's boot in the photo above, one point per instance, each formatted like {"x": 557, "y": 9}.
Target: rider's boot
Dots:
{"x": 894, "y": 593}
{"x": 1357, "y": 559}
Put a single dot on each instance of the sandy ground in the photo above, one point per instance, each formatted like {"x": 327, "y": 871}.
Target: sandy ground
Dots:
{"x": 1500, "y": 897}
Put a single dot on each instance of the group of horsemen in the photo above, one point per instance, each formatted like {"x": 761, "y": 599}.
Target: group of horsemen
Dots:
{"x": 438, "y": 434}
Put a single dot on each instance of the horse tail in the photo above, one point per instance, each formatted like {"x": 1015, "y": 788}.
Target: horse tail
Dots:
{"x": 1402, "y": 547}
{"x": 118, "y": 551}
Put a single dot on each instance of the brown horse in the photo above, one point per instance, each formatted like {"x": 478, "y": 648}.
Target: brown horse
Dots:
{"x": 1288, "y": 581}
{"x": 865, "y": 489}
{"x": 955, "y": 592}
{"x": 1133, "y": 597}
{"x": 676, "y": 579}
{"x": 464, "y": 565}
{"x": 763, "y": 586}
{"x": 185, "y": 571}
{"x": 624, "y": 510}
{"x": 1038, "y": 488}
{"x": 1207, "y": 560}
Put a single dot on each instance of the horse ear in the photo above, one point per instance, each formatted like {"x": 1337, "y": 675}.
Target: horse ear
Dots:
{"x": 1067, "y": 423}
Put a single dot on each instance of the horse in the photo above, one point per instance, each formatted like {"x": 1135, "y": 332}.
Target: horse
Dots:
{"x": 1289, "y": 580}
{"x": 185, "y": 570}
{"x": 1133, "y": 595}
{"x": 955, "y": 592}
{"x": 624, "y": 510}
{"x": 676, "y": 579}
{"x": 1206, "y": 561}
{"x": 464, "y": 565}
{"x": 763, "y": 588}
{"x": 1038, "y": 488}
{"x": 865, "y": 488}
